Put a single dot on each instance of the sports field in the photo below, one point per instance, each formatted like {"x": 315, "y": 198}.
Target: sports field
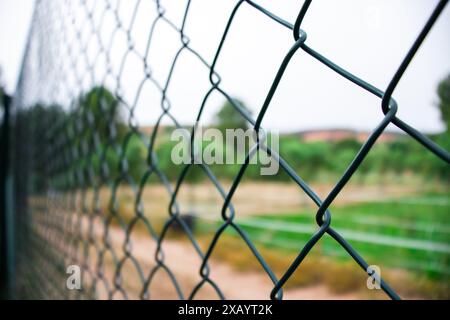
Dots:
{"x": 409, "y": 233}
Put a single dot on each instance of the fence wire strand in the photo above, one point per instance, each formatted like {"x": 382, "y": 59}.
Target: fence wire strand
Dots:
{"x": 60, "y": 163}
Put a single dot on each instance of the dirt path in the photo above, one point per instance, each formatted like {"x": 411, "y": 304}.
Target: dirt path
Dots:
{"x": 182, "y": 260}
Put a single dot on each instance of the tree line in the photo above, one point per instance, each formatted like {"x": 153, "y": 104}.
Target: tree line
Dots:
{"x": 96, "y": 130}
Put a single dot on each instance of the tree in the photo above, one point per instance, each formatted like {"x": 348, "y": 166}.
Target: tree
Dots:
{"x": 444, "y": 103}
{"x": 229, "y": 117}
{"x": 37, "y": 128}
{"x": 103, "y": 108}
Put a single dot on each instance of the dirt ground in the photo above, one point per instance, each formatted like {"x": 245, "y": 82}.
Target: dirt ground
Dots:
{"x": 180, "y": 256}
{"x": 181, "y": 259}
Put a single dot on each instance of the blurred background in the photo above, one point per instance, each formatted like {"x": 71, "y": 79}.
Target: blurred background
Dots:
{"x": 394, "y": 211}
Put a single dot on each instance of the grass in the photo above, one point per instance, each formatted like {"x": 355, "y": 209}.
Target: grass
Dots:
{"x": 339, "y": 276}
{"x": 406, "y": 233}
{"x": 400, "y": 236}
{"x": 408, "y": 238}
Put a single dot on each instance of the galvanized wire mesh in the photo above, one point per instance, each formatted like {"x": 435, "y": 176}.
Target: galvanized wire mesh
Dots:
{"x": 60, "y": 161}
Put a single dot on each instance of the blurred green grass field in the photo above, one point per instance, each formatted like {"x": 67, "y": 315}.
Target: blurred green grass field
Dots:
{"x": 409, "y": 233}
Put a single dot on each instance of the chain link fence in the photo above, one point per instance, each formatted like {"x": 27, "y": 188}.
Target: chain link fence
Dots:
{"x": 67, "y": 127}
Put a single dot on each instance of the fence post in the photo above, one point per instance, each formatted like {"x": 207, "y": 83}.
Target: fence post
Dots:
{"x": 6, "y": 212}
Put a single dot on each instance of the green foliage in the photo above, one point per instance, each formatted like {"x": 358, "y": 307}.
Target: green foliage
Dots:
{"x": 101, "y": 109}
{"x": 104, "y": 129}
{"x": 229, "y": 118}
{"x": 324, "y": 160}
{"x": 136, "y": 155}
{"x": 444, "y": 103}
{"x": 37, "y": 124}
{"x": 319, "y": 160}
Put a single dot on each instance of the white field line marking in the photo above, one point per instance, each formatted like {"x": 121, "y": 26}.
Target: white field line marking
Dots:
{"x": 373, "y": 220}
{"x": 438, "y": 201}
{"x": 413, "y": 265}
{"x": 299, "y": 228}
{"x": 383, "y": 221}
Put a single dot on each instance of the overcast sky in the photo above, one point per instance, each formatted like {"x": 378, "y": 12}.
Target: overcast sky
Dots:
{"x": 369, "y": 38}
